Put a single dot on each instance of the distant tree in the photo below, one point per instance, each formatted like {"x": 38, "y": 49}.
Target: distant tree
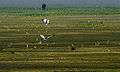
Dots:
{"x": 43, "y": 6}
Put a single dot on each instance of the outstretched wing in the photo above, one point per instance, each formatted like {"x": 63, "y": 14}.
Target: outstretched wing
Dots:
{"x": 50, "y": 36}
{"x": 42, "y": 36}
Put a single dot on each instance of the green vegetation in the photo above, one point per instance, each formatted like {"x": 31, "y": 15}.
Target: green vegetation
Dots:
{"x": 85, "y": 40}
{"x": 61, "y": 11}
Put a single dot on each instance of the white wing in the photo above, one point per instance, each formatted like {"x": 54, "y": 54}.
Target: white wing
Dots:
{"x": 45, "y": 20}
{"x": 42, "y": 36}
{"x": 48, "y": 21}
{"x": 49, "y": 37}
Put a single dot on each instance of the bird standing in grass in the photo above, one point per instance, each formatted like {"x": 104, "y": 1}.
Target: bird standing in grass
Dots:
{"x": 72, "y": 47}
{"x": 45, "y": 21}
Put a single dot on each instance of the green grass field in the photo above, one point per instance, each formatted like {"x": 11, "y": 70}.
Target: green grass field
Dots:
{"x": 84, "y": 40}
{"x": 69, "y": 11}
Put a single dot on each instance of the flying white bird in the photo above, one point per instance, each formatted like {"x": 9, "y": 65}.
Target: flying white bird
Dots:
{"x": 45, "y": 38}
{"x": 42, "y": 36}
{"x": 45, "y": 21}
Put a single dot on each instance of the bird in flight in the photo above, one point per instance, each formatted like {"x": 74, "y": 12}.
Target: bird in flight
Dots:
{"x": 45, "y": 38}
